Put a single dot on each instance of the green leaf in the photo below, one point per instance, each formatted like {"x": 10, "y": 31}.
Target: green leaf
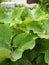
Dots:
{"x": 26, "y": 13}
{"x": 40, "y": 27}
{"x": 14, "y": 63}
{"x": 22, "y": 42}
{"x": 40, "y": 60}
{"x": 47, "y": 57}
{"x": 4, "y": 53}
{"x": 35, "y": 26}
{"x": 42, "y": 45}
{"x": 45, "y": 33}
{"x": 9, "y": 62}
{"x": 21, "y": 13}
{"x": 4, "y": 62}
{"x": 37, "y": 12}
{"x": 44, "y": 5}
{"x": 2, "y": 13}
{"x": 24, "y": 61}
{"x": 30, "y": 54}
{"x": 5, "y": 35}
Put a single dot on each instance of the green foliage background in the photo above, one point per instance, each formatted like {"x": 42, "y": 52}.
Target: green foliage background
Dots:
{"x": 24, "y": 35}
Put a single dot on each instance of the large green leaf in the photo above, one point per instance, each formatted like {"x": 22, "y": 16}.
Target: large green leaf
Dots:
{"x": 22, "y": 42}
{"x": 41, "y": 26}
{"x": 5, "y": 35}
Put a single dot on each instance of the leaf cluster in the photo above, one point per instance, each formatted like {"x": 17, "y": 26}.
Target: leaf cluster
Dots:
{"x": 24, "y": 36}
{"x": 44, "y": 5}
